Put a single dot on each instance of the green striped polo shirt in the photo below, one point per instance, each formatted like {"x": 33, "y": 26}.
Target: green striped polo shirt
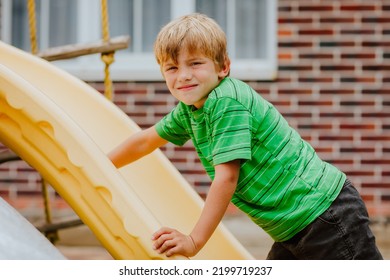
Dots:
{"x": 283, "y": 185}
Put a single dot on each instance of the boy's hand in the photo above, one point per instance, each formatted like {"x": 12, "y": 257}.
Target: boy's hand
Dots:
{"x": 172, "y": 242}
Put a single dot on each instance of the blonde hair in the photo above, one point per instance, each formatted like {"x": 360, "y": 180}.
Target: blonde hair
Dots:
{"x": 196, "y": 33}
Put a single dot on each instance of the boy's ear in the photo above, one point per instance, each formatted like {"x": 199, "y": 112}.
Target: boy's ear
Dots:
{"x": 225, "y": 71}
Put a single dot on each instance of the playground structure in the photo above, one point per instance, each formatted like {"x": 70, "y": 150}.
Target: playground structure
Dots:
{"x": 19, "y": 239}
{"x": 63, "y": 128}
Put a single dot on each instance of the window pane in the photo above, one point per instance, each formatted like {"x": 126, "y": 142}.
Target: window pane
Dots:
{"x": 251, "y": 25}
{"x": 121, "y": 19}
{"x": 216, "y": 9}
{"x": 140, "y": 19}
{"x": 156, "y": 13}
{"x": 60, "y": 26}
{"x": 20, "y": 31}
{"x": 63, "y": 22}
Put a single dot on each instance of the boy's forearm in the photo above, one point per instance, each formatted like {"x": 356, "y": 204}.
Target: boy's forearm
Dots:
{"x": 119, "y": 156}
{"x": 217, "y": 201}
{"x": 171, "y": 241}
{"x": 212, "y": 214}
{"x": 135, "y": 147}
{"x": 126, "y": 152}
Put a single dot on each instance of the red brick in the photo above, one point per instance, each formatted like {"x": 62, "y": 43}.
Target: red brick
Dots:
{"x": 284, "y": 7}
{"x": 337, "y": 91}
{"x": 375, "y": 19}
{"x": 297, "y": 115}
{"x": 376, "y": 91}
{"x": 295, "y": 44}
{"x": 336, "y": 138}
{"x": 359, "y": 103}
{"x": 344, "y": 67}
{"x": 358, "y": 79}
{"x": 320, "y": 79}
{"x": 284, "y": 32}
{"x": 337, "y": 19}
{"x": 301, "y": 67}
{"x": 385, "y": 138}
{"x": 286, "y": 56}
{"x": 376, "y": 185}
{"x": 354, "y": 55}
{"x": 357, "y": 31}
{"x": 295, "y": 91}
{"x": 316, "y": 32}
{"x": 149, "y": 103}
{"x": 337, "y": 44}
{"x": 375, "y": 43}
{"x": 280, "y": 103}
{"x": 306, "y": 136}
{"x": 326, "y": 150}
{"x": 314, "y": 126}
{"x": 343, "y": 161}
{"x": 360, "y": 126}
{"x": 357, "y": 8}
{"x": 357, "y": 150}
{"x": 385, "y": 198}
{"x": 315, "y": 8}
{"x": 360, "y": 173}
{"x": 315, "y": 103}
{"x": 285, "y": 20}
{"x": 282, "y": 78}
{"x": 316, "y": 55}
{"x": 376, "y": 161}
{"x": 376, "y": 67}
{"x": 368, "y": 197}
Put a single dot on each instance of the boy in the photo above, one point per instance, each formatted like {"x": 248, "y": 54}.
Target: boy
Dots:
{"x": 251, "y": 154}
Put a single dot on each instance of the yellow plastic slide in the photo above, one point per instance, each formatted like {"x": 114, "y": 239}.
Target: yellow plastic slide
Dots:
{"x": 64, "y": 128}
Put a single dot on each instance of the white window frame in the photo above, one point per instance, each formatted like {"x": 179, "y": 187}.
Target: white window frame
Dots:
{"x": 143, "y": 67}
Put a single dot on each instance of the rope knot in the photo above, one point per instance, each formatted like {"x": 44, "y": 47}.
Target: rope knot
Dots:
{"x": 108, "y": 58}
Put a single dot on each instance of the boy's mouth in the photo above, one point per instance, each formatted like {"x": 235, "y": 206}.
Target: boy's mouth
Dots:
{"x": 187, "y": 87}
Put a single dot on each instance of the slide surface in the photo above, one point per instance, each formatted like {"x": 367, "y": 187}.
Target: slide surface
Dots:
{"x": 19, "y": 239}
{"x": 64, "y": 128}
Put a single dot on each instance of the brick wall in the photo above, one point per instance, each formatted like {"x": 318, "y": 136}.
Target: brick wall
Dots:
{"x": 333, "y": 86}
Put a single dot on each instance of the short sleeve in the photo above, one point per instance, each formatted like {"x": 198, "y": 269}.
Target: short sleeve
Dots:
{"x": 231, "y": 135}
{"x": 172, "y": 128}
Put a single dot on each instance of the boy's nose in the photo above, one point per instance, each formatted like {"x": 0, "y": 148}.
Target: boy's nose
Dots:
{"x": 185, "y": 74}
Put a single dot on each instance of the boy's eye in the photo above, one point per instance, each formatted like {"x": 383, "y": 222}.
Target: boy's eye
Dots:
{"x": 170, "y": 68}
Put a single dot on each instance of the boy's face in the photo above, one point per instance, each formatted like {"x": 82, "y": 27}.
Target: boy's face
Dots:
{"x": 192, "y": 78}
